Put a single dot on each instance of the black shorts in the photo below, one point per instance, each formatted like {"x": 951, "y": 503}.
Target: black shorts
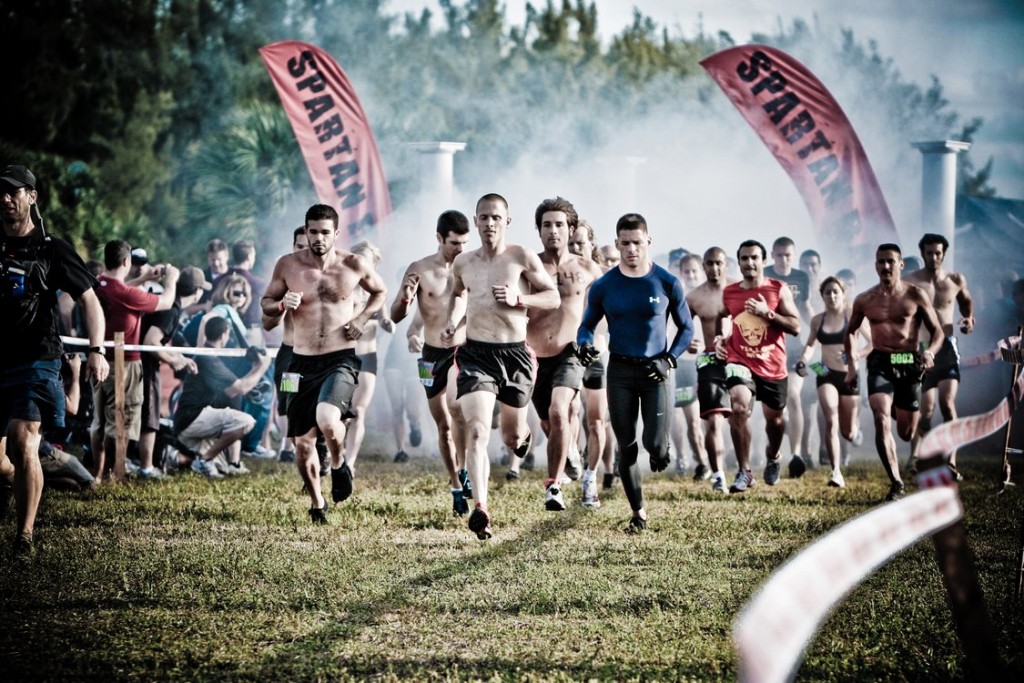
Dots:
{"x": 281, "y": 366}
{"x": 712, "y": 392}
{"x": 150, "y": 394}
{"x": 368, "y": 363}
{"x": 898, "y": 374}
{"x": 770, "y": 392}
{"x": 563, "y": 370}
{"x": 440, "y": 362}
{"x": 593, "y": 374}
{"x": 330, "y": 378}
{"x": 947, "y": 365}
{"x": 32, "y": 392}
{"x": 837, "y": 378}
{"x": 686, "y": 383}
{"x": 507, "y": 370}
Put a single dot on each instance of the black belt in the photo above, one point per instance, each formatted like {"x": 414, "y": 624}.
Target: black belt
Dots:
{"x": 629, "y": 360}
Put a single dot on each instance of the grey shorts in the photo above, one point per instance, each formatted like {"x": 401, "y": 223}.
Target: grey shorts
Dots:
{"x": 563, "y": 370}
{"x": 507, "y": 370}
{"x": 329, "y": 378}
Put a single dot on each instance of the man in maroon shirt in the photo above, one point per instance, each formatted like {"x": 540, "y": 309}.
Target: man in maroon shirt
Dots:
{"x": 123, "y": 307}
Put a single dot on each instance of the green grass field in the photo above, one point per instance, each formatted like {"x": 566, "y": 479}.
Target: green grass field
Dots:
{"x": 228, "y": 581}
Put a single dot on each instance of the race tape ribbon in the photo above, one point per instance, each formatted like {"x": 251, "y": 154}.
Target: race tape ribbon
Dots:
{"x": 184, "y": 350}
{"x": 773, "y": 629}
{"x": 949, "y": 436}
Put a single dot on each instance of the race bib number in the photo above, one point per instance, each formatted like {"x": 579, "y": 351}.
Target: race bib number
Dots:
{"x": 905, "y": 358}
{"x": 737, "y": 370}
{"x": 706, "y": 359}
{"x": 426, "y": 372}
{"x": 819, "y": 369}
{"x": 290, "y": 382}
{"x": 685, "y": 394}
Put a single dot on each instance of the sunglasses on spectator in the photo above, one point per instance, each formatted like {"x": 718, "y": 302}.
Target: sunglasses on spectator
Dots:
{"x": 238, "y": 292}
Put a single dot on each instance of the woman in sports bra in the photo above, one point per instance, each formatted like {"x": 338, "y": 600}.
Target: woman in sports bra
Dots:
{"x": 839, "y": 402}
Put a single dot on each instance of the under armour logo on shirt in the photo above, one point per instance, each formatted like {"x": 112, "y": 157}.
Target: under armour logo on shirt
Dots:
{"x": 654, "y": 299}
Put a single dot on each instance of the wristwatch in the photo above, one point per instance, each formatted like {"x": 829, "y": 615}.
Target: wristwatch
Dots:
{"x": 771, "y": 315}
{"x": 95, "y": 349}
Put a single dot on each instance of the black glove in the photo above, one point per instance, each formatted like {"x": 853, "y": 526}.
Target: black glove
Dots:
{"x": 587, "y": 354}
{"x": 253, "y": 353}
{"x": 658, "y": 367}
{"x": 801, "y": 368}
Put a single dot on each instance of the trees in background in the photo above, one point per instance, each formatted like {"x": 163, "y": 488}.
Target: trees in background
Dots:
{"x": 154, "y": 120}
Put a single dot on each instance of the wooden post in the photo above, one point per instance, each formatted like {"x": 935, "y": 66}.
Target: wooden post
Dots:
{"x": 121, "y": 434}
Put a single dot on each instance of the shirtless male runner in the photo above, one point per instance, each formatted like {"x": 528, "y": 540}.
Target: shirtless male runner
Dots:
{"x": 945, "y": 288}
{"x": 712, "y": 393}
{"x": 552, "y": 336}
{"x": 428, "y": 282}
{"x": 895, "y": 311}
{"x": 494, "y": 362}
{"x": 317, "y": 287}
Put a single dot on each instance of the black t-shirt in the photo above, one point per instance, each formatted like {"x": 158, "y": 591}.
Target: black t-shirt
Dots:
{"x": 34, "y": 269}
{"x": 798, "y": 281}
{"x": 206, "y": 388}
{"x": 167, "y": 322}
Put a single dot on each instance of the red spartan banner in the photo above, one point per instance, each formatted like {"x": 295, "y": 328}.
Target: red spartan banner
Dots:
{"x": 334, "y": 135}
{"x": 807, "y": 131}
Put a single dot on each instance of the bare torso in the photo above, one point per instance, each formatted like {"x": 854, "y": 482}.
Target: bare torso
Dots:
{"x": 892, "y": 315}
{"x": 488, "y": 320}
{"x": 432, "y": 296}
{"x": 943, "y": 288}
{"x": 705, "y": 302}
{"x": 549, "y": 332}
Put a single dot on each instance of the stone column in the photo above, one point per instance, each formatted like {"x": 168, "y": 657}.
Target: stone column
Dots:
{"x": 437, "y": 163}
{"x": 938, "y": 188}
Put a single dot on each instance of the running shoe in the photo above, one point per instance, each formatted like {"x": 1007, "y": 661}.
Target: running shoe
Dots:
{"x": 608, "y": 481}
{"x": 590, "y": 499}
{"x": 896, "y": 491}
{"x": 206, "y": 468}
{"x": 955, "y": 472}
{"x": 836, "y": 479}
{"x": 637, "y": 525}
{"x": 512, "y": 475}
{"x": 467, "y": 487}
{"x": 744, "y": 481}
{"x": 286, "y": 456}
{"x": 823, "y": 458}
{"x": 459, "y": 505}
{"x": 480, "y": 523}
{"x": 528, "y": 462}
{"x": 553, "y": 499}
{"x": 573, "y": 463}
{"x": 341, "y": 483}
{"x": 236, "y": 468}
{"x": 401, "y": 456}
{"x": 151, "y": 473}
{"x": 797, "y": 467}
{"x": 718, "y": 482}
{"x": 701, "y": 473}
{"x": 680, "y": 467}
{"x": 808, "y": 461}
{"x": 858, "y": 438}
{"x": 773, "y": 470}
{"x": 912, "y": 466}
{"x": 24, "y": 548}
{"x": 415, "y": 436}
{"x": 319, "y": 515}
{"x": 261, "y": 453}
{"x": 523, "y": 451}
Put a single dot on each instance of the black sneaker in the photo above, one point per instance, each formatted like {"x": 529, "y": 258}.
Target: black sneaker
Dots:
{"x": 341, "y": 483}
{"x": 467, "y": 487}
{"x": 480, "y": 523}
{"x": 415, "y": 436}
{"x": 896, "y": 491}
{"x": 401, "y": 456}
{"x": 319, "y": 515}
{"x": 512, "y": 475}
{"x": 286, "y": 456}
{"x": 24, "y": 548}
{"x": 701, "y": 473}
{"x": 523, "y": 451}
{"x": 528, "y": 462}
{"x": 459, "y": 505}
{"x": 797, "y": 467}
{"x": 637, "y": 525}
{"x": 608, "y": 481}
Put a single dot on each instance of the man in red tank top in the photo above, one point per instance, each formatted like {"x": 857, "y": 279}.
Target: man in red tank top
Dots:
{"x": 762, "y": 311}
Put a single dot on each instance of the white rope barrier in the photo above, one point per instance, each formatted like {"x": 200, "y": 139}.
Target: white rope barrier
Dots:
{"x": 76, "y": 342}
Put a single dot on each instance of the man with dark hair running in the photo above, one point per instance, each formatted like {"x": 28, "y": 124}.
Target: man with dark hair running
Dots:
{"x": 316, "y": 287}
{"x": 495, "y": 363}
{"x": 762, "y": 312}
{"x": 637, "y": 297}
{"x": 428, "y": 282}
{"x": 895, "y": 311}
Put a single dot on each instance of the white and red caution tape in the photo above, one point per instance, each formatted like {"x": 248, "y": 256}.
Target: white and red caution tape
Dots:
{"x": 775, "y": 626}
{"x": 78, "y": 342}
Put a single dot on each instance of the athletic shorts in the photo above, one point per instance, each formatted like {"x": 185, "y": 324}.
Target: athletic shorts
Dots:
{"x": 947, "y": 365}
{"x": 563, "y": 370}
{"x": 593, "y": 374}
{"x": 329, "y": 378}
{"x": 770, "y": 392}
{"x": 281, "y": 365}
{"x": 837, "y": 378}
{"x": 368, "y": 363}
{"x": 104, "y": 415}
{"x": 434, "y": 364}
{"x": 211, "y": 423}
{"x": 898, "y": 374}
{"x": 507, "y": 370}
{"x": 32, "y": 392}
{"x": 712, "y": 392}
{"x": 150, "y": 394}
{"x": 686, "y": 383}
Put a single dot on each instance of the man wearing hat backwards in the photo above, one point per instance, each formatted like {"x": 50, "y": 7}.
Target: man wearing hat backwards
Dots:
{"x": 33, "y": 268}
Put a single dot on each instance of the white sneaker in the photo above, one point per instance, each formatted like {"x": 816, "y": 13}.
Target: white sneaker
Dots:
{"x": 590, "y": 499}
{"x": 836, "y": 479}
{"x": 573, "y": 463}
{"x": 553, "y": 499}
{"x": 206, "y": 468}
{"x": 235, "y": 469}
{"x": 151, "y": 473}
{"x": 718, "y": 482}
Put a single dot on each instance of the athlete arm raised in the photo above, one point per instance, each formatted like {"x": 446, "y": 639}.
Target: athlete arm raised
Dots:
{"x": 406, "y": 294}
{"x": 373, "y": 284}
{"x": 276, "y": 297}
{"x": 544, "y": 295}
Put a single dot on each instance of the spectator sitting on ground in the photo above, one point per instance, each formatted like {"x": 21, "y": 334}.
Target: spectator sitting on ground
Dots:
{"x": 205, "y": 420}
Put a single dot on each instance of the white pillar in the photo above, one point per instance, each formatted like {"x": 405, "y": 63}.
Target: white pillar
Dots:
{"x": 938, "y": 188}
{"x": 437, "y": 164}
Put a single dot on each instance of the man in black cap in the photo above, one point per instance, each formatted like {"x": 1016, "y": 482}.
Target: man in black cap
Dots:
{"x": 34, "y": 267}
